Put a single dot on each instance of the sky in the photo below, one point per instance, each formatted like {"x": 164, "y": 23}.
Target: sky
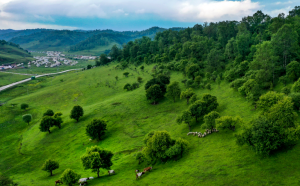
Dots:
{"x": 127, "y": 15}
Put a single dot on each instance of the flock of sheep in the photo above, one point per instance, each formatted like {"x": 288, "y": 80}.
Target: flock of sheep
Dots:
{"x": 200, "y": 135}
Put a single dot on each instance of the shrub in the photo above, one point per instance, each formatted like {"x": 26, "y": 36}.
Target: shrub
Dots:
{"x": 126, "y": 74}
{"x": 49, "y": 112}
{"x": 286, "y": 90}
{"x": 228, "y": 122}
{"x": 27, "y": 118}
{"x": 24, "y": 106}
{"x": 76, "y": 112}
{"x": 139, "y": 79}
{"x": 296, "y": 100}
{"x": 127, "y": 87}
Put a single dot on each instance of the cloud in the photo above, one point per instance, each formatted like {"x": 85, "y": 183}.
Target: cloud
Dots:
{"x": 175, "y": 10}
{"x": 285, "y": 10}
{"x": 283, "y": 3}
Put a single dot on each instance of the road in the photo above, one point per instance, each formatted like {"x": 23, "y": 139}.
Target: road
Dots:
{"x": 26, "y": 80}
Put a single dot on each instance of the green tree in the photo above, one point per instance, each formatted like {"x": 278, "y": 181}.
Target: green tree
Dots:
{"x": 187, "y": 94}
{"x": 197, "y": 109}
{"x": 76, "y": 112}
{"x": 127, "y": 87}
{"x": 286, "y": 90}
{"x": 185, "y": 117}
{"x": 198, "y": 80}
{"x": 208, "y": 86}
{"x": 154, "y": 93}
{"x": 173, "y": 91}
{"x": 228, "y": 122}
{"x": 96, "y": 129}
{"x": 126, "y": 74}
{"x": 96, "y": 158}
{"x": 293, "y": 70}
{"x": 89, "y": 67}
{"x": 192, "y": 71}
{"x": 269, "y": 99}
{"x": 193, "y": 99}
{"x": 46, "y": 123}
{"x": 210, "y": 103}
{"x": 6, "y": 181}
{"x": 24, "y": 106}
{"x": 117, "y": 78}
{"x": 139, "y": 79}
{"x": 296, "y": 86}
{"x": 69, "y": 177}
{"x": 27, "y": 118}
{"x": 140, "y": 157}
{"x": 296, "y": 100}
{"x": 49, "y": 112}
{"x": 210, "y": 119}
{"x": 50, "y": 165}
{"x": 218, "y": 80}
{"x": 57, "y": 117}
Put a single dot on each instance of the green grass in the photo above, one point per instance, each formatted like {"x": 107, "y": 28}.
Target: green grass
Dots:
{"x": 95, "y": 51}
{"x": 213, "y": 160}
{"x": 7, "y": 78}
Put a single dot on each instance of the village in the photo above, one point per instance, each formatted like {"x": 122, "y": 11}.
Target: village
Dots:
{"x": 52, "y": 59}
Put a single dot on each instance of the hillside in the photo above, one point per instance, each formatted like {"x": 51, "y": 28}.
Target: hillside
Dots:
{"x": 214, "y": 160}
{"x": 12, "y": 53}
{"x": 9, "y": 34}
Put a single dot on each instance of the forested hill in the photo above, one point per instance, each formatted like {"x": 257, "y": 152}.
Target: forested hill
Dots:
{"x": 77, "y": 40}
{"x": 13, "y": 53}
{"x": 254, "y": 54}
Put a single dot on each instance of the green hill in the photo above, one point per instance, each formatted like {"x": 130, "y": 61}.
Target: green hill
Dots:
{"x": 12, "y": 53}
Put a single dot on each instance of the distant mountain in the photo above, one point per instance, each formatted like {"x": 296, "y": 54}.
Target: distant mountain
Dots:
{"x": 5, "y": 31}
{"x": 13, "y": 53}
{"x": 16, "y": 33}
{"x": 91, "y": 42}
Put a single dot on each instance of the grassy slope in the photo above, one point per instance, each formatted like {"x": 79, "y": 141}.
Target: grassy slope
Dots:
{"x": 214, "y": 160}
{"x": 6, "y": 78}
{"x": 95, "y": 51}
{"x": 10, "y": 54}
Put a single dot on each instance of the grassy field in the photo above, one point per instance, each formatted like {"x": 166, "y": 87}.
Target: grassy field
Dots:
{"x": 42, "y": 70}
{"x": 213, "y": 160}
{"x": 6, "y": 78}
{"x": 95, "y": 51}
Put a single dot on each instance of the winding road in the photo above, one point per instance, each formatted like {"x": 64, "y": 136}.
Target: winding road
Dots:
{"x": 26, "y": 80}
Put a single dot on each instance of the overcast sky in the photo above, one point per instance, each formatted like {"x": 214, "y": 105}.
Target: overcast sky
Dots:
{"x": 130, "y": 14}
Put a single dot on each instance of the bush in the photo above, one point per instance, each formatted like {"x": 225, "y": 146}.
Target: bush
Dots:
{"x": 296, "y": 100}
{"x": 6, "y": 181}
{"x": 89, "y": 67}
{"x": 96, "y": 129}
{"x": 135, "y": 86}
{"x": 208, "y": 86}
{"x": 69, "y": 177}
{"x": 228, "y": 122}
{"x": 286, "y": 90}
{"x": 49, "y": 112}
{"x": 296, "y": 86}
{"x": 127, "y": 87}
{"x": 24, "y": 106}
{"x": 126, "y": 74}
{"x": 139, "y": 79}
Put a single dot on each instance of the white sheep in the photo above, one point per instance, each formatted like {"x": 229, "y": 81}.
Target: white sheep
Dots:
{"x": 111, "y": 172}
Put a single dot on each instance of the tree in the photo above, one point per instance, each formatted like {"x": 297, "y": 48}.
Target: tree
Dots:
{"x": 250, "y": 89}
{"x": 269, "y": 99}
{"x": 76, "y": 112}
{"x": 187, "y": 94}
{"x": 96, "y": 158}
{"x": 139, "y": 79}
{"x": 286, "y": 90}
{"x": 27, "y": 118}
{"x": 6, "y": 181}
{"x": 283, "y": 113}
{"x": 49, "y": 112}
{"x": 210, "y": 119}
{"x": 208, "y": 86}
{"x": 126, "y": 74}
{"x": 140, "y": 157}
{"x": 198, "y": 80}
{"x": 59, "y": 121}
{"x": 173, "y": 91}
{"x": 197, "y": 109}
{"x": 154, "y": 93}
{"x": 96, "y": 129}
{"x": 262, "y": 136}
{"x": 210, "y": 103}
{"x": 193, "y": 99}
{"x": 228, "y": 122}
{"x": 70, "y": 177}
{"x": 192, "y": 71}
{"x": 296, "y": 100}
{"x": 50, "y": 165}
{"x": 296, "y": 86}
{"x": 89, "y": 67}
{"x": 127, "y": 87}
{"x": 218, "y": 80}
{"x": 24, "y": 106}
{"x": 46, "y": 123}
{"x": 185, "y": 117}
{"x": 142, "y": 68}
{"x": 293, "y": 70}
{"x": 117, "y": 78}
{"x": 157, "y": 145}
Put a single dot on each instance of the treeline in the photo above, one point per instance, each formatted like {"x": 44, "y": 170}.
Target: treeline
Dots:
{"x": 3, "y": 42}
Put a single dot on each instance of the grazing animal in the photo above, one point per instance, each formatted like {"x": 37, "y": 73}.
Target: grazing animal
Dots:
{"x": 147, "y": 169}
{"x": 139, "y": 174}
{"x": 83, "y": 183}
{"x": 91, "y": 178}
{"x": 83, "y": 180}
{"x": 137, "y": 170}
{"x": 111, "y": 172}
{"x": 58, "y": 181}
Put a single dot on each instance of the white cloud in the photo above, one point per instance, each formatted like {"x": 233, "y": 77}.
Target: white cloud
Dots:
{"x": 178, "y": 10}
{"x": 285, "y": 10}
{"x": 283, "y": 3}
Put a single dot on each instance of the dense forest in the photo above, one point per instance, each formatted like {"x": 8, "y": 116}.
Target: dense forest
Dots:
{"x": 254, "y": 55}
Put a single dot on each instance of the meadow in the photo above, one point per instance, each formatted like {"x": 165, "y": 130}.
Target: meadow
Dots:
{"x": 213, "y": 160}
{"x": 7, "y": 78}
